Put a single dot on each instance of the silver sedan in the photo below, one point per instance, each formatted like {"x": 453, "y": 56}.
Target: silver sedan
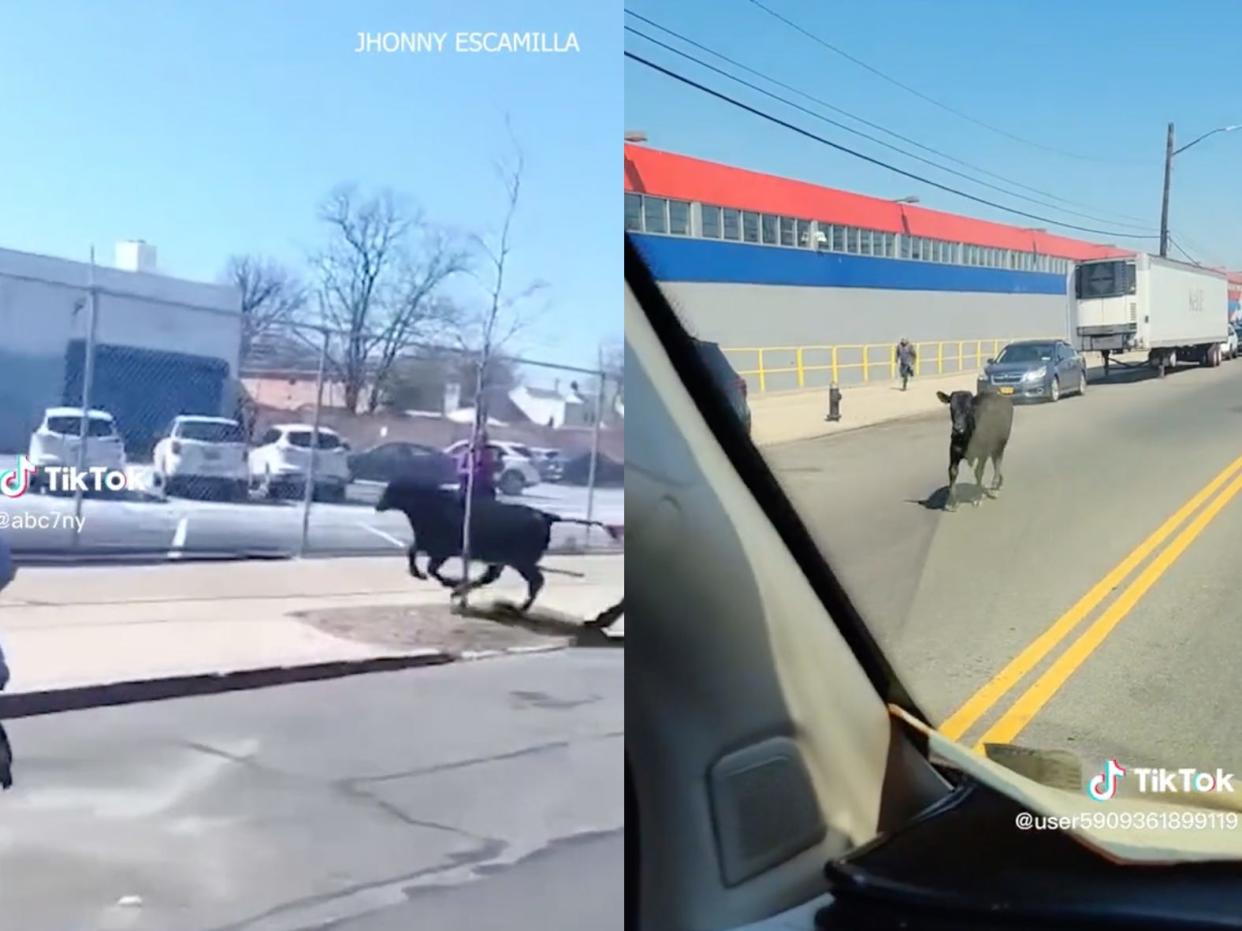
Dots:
{"x": 1035, "y": 369}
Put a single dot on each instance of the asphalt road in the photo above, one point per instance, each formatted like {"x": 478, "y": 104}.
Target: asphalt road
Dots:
{"x": 189, "y": 525}
{"x": 955, "y": 597}
{"x": 477, "y": 795}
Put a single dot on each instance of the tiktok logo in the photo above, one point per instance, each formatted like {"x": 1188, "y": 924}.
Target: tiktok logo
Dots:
{"x": 16, "y": 482}
{"x": 1103, "y": 786}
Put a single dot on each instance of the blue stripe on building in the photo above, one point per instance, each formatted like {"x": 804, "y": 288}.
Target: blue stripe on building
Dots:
{"x": 673, "y": 259}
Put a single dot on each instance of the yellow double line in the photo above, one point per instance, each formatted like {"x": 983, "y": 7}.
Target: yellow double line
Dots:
{"x": 1020, "y": 713}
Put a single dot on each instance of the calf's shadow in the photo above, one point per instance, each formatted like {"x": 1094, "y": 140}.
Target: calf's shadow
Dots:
{"x": 545, "y": 621}
{"x": 968, "y": 494}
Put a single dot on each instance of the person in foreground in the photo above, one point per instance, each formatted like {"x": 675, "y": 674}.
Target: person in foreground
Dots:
{"x": 7, "y": 572}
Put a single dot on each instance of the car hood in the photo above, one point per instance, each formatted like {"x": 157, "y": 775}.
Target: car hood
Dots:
{"x": 1015, "y": 368}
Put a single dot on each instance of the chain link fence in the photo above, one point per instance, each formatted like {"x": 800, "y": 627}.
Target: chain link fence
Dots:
{"x": 283, "y": 450}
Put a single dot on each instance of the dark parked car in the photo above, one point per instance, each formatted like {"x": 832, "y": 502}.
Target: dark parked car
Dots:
{"x": 549, "y": 462}
{"x": 729, "y": 381}
{"x": 389, "y": 462}
{"x": 1035, "y": 368}
{"x": 607, "y": 472}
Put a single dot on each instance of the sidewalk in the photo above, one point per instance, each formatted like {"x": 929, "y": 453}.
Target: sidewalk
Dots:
{"x": 92, "y": 625}
{"x": 800, "y": 415}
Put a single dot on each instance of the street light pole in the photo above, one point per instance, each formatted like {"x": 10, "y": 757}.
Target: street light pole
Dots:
{"x": 1164, "y": 200}
{"x": 1169, "y": 152}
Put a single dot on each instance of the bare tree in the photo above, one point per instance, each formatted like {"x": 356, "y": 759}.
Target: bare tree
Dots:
{"x": 418, "y": 379}
{"x": 501, "y": 319}
{"x": 379, "y": 279}
{"x": 612, "y": 362}
{"x": 271, "y": 295}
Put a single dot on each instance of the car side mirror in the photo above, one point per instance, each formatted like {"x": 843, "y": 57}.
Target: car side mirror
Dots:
{"x": 992, "y": 361}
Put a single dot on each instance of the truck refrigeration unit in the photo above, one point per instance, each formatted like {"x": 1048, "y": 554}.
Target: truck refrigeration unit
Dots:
{"x": 1173, "y": 311}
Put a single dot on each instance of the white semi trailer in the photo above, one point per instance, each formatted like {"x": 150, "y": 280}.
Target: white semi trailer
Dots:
{"x": 1173, "y": 311}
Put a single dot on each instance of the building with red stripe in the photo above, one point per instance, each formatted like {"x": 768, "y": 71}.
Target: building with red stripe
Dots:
{"x": 755, "y": 260}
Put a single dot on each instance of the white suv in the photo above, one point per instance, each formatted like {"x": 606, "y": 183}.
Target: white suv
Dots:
{"x": 204, "y": 453}
{"x": 58, "y": 438}
{"x": 281, "y": 460}
{"x": 517, "y": 468}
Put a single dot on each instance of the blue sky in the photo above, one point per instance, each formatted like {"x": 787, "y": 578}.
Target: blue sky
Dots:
{"x": 213, "y": 128}
{"x": 1097, "y": 80}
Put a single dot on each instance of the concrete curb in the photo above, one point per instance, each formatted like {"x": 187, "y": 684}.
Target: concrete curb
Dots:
{"x": 779, "y": 393}
{"x": 74, "y": 698}
{"x": 474, "y": 655}
{"x": 134, "y": 691}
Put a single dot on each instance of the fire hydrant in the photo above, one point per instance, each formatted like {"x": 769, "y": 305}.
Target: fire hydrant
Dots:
{"x": 834, "y": 403}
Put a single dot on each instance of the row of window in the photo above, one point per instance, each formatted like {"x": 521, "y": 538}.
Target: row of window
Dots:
{"x": 662, "y": 215}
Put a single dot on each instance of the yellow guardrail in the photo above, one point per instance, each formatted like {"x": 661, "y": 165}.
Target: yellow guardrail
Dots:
{"x": 962, "y": 355}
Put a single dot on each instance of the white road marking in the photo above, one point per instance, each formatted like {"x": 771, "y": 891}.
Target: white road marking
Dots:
{"x": 178, "y": 540}
{"x": 387, "y": 536}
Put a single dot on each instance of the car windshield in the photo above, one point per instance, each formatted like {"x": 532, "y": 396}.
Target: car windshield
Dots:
{"x": 1016, "y": 567}
{"x": 72, "y": 426}
{"x": 209, "y": 431}
{"x": 303, "y": 438}
{"x": 1026, "y": 352}
{"x": 523, "y": 451}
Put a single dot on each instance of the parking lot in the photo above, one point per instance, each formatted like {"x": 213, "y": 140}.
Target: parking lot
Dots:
{"x": 38, "y": 525}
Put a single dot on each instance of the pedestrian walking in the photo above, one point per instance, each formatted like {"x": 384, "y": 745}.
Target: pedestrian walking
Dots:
{"x": 905, "y": 356}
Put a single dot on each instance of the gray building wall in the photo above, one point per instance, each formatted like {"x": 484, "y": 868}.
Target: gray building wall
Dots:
{"x": 778, "y": 318}
{"x": 38, "y": 321}
{"x": 43, "y": 307}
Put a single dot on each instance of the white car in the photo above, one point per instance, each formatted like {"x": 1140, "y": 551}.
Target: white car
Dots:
{"x": 1229, "y": 348}
{"x": 280, "y": 463}
{"x": 517, "y": 468}
{"x": 57, "y": 440}
{"x": 199, "y": 453}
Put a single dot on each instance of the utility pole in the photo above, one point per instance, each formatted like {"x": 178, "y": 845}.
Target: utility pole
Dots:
{"x": 88, "y": 382}
{"x": 1164, "y": 201}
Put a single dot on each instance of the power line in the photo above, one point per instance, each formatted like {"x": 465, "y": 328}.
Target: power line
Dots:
{"x": 926, "y": 148}
{"x": 1190, "y": 257}
{"x": 1206, "y": 253}
{"x": 917, "y": 93}
{"x": 857, "y": 132}
{"x": 875, "y": 161}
